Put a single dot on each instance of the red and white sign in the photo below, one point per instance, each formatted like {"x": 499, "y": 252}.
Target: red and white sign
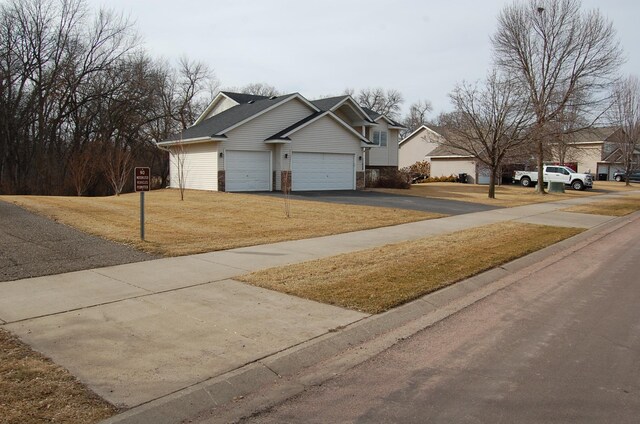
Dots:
{"x": 142, "y": 179}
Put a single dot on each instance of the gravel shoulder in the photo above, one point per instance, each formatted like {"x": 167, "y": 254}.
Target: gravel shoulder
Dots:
{"x": 32, "y": 246}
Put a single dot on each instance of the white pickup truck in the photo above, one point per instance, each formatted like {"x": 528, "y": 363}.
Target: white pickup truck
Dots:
{"x": 555, "y": 173}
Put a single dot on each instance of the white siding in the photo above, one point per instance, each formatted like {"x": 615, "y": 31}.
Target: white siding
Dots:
{"x": 417, "y": 148}
{"x": 201, "y": 166}
{"x": 447, "y": 167}
{"x": 384, "y": 155}
{"x": 251, "y": 136}
{"x": 322, "y": 136}
{"x": 221, "y": 106}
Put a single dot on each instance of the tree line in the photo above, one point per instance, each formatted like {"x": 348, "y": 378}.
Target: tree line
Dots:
{"x": 81, "y": 102}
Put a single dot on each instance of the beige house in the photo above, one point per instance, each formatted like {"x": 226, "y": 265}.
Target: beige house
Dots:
{"x": 596, "y": 151}
{"x": 417, "y": 146}
{"x": 255, "y": 143}
{"x": 447, "y": 161}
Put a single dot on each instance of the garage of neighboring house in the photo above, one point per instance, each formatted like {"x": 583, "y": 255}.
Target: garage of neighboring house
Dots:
{"x": 247, "y": 170}
{"x": 322, "y": 171}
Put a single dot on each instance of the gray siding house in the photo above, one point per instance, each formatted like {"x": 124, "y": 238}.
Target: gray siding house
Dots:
{"x": 254, "y": 143}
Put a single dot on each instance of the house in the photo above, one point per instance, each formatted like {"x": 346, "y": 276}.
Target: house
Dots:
{"x": 417, "y": 146}
{"x": 446, "y": 161}
{"x": 596, "y": 150}
{"x": 254, "y": 143}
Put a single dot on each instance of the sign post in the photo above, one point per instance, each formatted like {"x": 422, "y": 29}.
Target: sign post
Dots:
{"x": 142, "y": 183}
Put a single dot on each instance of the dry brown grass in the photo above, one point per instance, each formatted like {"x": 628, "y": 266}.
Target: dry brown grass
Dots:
{"x": 376, "y": 280}
{"x": 506, "y": 195}
{"x": 208, "y": 221}
{"x": 614, "y": 207}
{"x": 34, "y": 390}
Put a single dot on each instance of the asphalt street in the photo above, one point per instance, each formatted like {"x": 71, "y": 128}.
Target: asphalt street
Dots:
{"x": 559, "y": 345}
{"x": 387, "y": 200}
{"x": 31, "y": 246}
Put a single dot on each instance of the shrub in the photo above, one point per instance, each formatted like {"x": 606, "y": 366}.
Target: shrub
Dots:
{"x": 443, "y": 179}
{"x": 418, "y": 172}
{"x": 393, "y": 178}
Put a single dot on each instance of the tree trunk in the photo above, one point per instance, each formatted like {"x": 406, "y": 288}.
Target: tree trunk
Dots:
{"x": 540, "y": 185}
{"x": 492, "y": 183}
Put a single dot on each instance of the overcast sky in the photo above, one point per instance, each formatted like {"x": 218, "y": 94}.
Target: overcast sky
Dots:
{"x": 421, "y": 48}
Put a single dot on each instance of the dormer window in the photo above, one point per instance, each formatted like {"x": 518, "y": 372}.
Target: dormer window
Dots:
{"x": 380, "y": 138}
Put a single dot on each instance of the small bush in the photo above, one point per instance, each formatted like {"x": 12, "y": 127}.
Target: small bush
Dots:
{"x": 418, "y": 172}
{"x": 393, "y": 178}
{"x": 443, "y": 179}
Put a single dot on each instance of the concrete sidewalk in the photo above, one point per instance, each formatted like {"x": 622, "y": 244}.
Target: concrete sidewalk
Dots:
{"x": 140, "y": 332}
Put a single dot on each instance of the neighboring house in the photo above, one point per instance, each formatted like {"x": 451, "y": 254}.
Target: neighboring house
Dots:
{"x": 254, "y": 143}
{"x": 417, "y": 146}
{"x": 597, "y": 150}
{"x": 446, "y": 161}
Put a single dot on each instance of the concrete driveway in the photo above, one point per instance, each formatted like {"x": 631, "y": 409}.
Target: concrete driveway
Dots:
{"x": 387, "y": 200}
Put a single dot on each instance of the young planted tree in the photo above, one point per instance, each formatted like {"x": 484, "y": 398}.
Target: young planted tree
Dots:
{"x": 554, "y": 49}
{"x": 487, "y": 123}
{"x": 178, "y": 160}
{"x": 625, "y": 114}
{"x": 118, "y": 166}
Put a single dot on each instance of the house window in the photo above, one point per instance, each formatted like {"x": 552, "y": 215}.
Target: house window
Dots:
{"x": 380, "y": 138}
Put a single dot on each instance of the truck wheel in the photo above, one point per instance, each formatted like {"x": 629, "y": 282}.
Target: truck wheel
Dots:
{"x": 618, "y": 178}
{"x": 577, "y": 185}
{"x": 525, "y": 181}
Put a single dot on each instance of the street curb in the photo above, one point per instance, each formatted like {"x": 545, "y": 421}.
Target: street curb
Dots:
{"x": 422, "y": 312}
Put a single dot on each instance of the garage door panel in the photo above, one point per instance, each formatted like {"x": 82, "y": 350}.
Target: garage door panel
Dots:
{"x": 322, "y": 171}
{"x": 247, "y": 170}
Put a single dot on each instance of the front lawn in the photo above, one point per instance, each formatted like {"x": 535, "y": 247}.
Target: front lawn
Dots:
{"x": 378, "y": 279}
{"x": 611, "y": 207}
{"x": 508, "y": 195}
{"x": 208, "y": 221}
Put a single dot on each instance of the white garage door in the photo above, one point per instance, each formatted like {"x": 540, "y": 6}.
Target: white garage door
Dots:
{"x": 322, "y": 171}
{"x": 247, "y": 170}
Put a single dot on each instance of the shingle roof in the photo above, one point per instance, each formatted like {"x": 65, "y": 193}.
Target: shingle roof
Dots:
{"x": 443, "y": 150}
{"x": 375, "y": 115}
{"x": 328, "y": 103}
{"x": 243, "y": 98}
{"x": 594, "y": 134}
{"x": 217, "y": 124}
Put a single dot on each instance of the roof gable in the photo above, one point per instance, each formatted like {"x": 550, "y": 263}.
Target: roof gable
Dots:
{"x": 334, "y": 103}
{"x": 216, "y": 126}
{"x": 418, "y": 131}
{"x": 287, "y": 132}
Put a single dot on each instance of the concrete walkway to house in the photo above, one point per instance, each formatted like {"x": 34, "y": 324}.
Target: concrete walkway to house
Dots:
{"x": 138, "y": 332}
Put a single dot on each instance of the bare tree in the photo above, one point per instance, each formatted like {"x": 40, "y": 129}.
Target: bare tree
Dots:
{"x": 487, "y": 123}
{"x": 625, "y": 113}
{"x": 193, "y": 84}
{"x": 82, "y": 170}
{"x": 554, "y": 49}
{"x": 384, "y": 102}
{"x": 258, "y": 89}
{"x": 178, "y": 159}
{"x": 118, "y": 167}
{"x": 417, "y": 117}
